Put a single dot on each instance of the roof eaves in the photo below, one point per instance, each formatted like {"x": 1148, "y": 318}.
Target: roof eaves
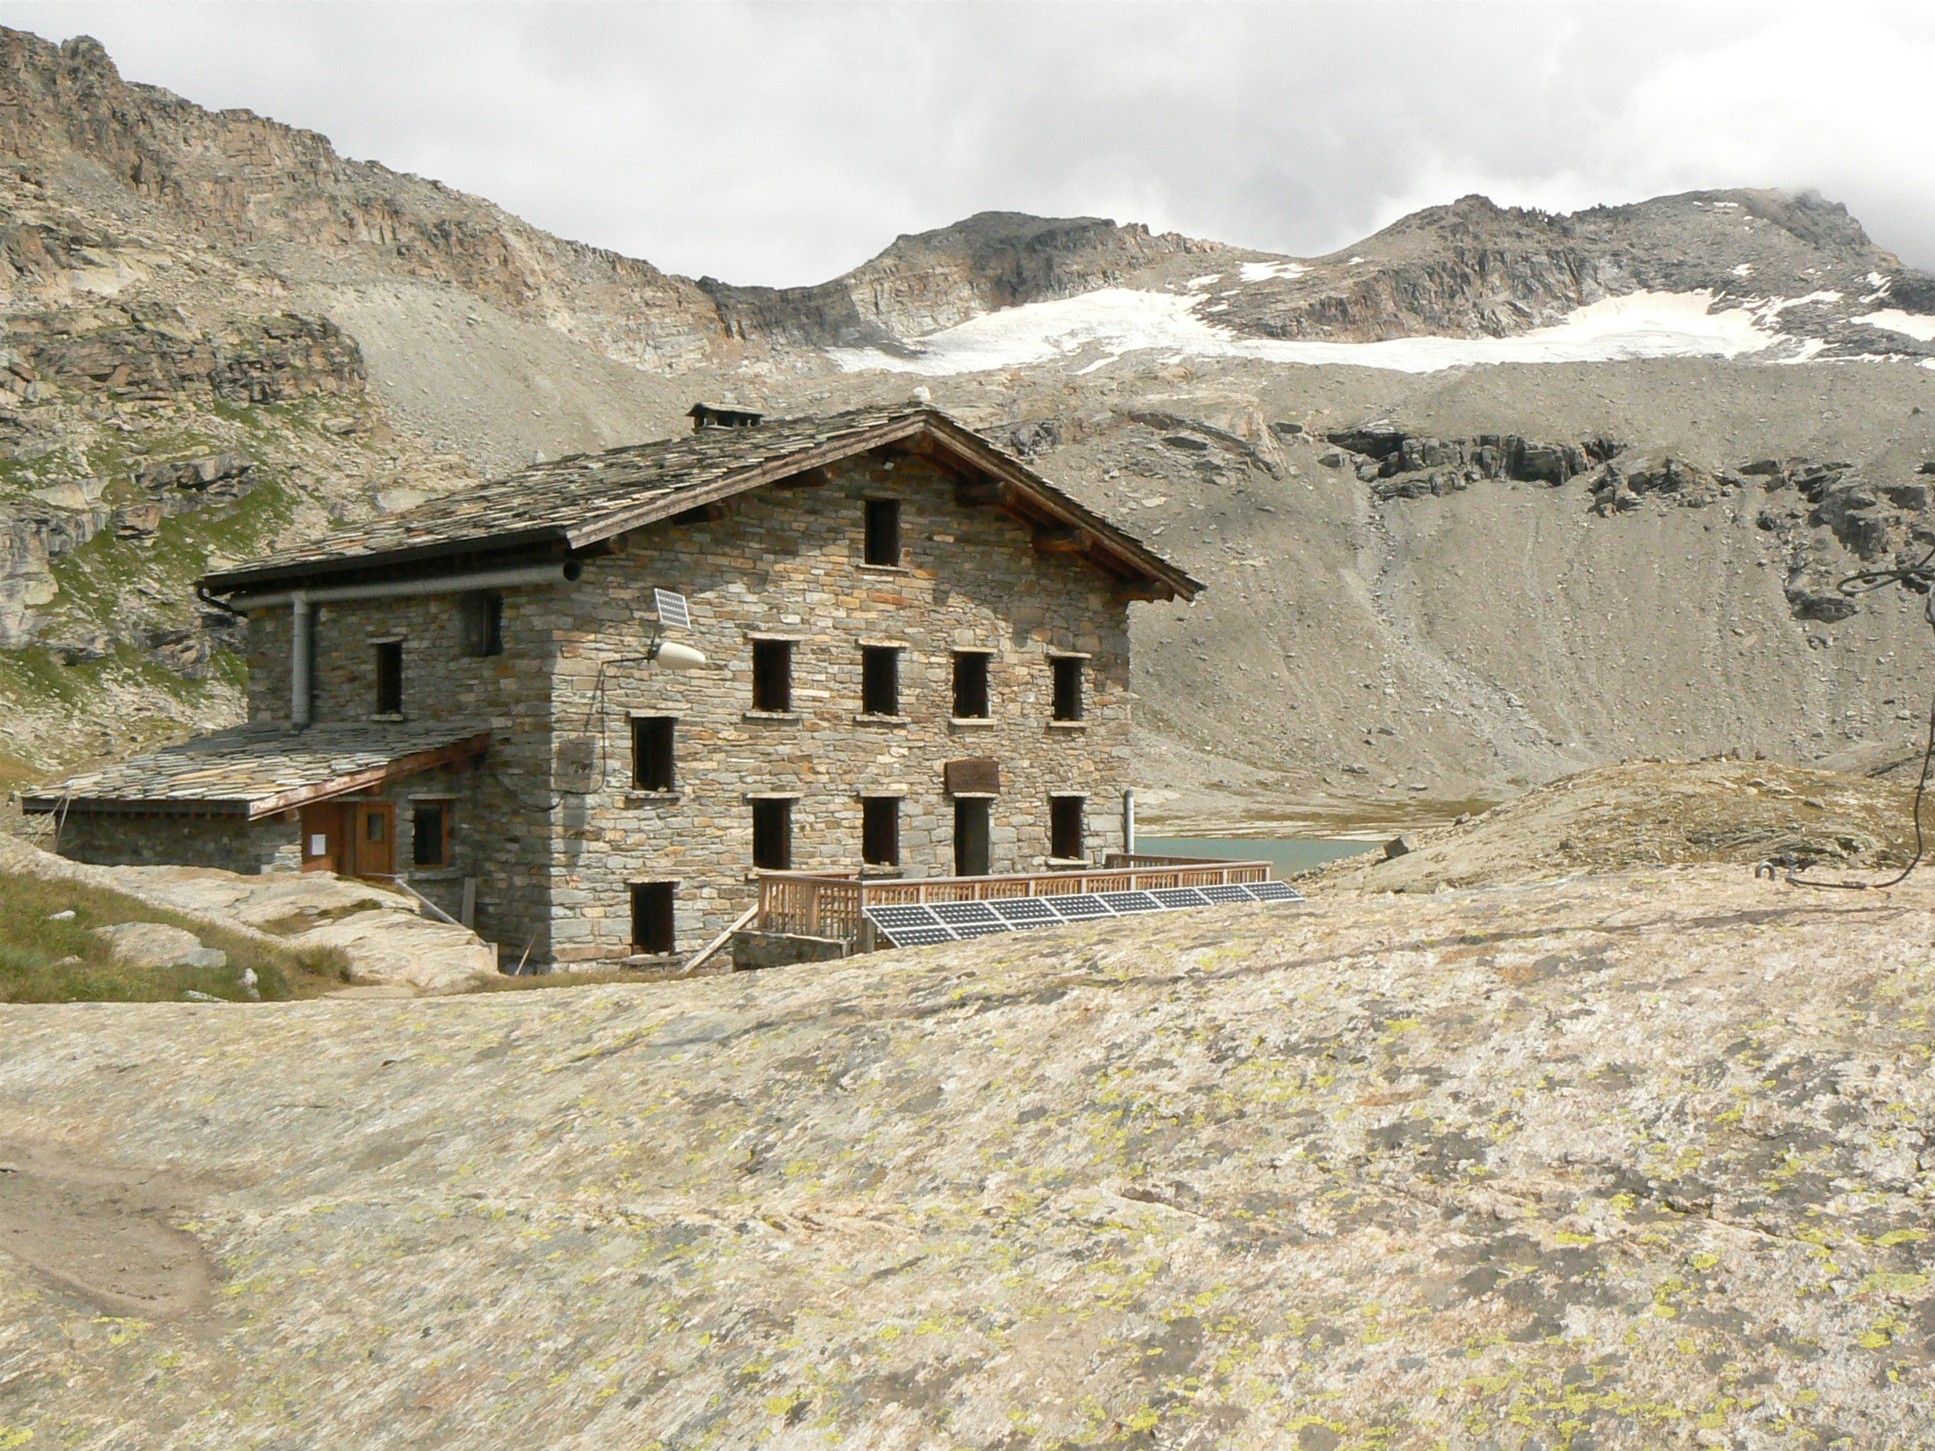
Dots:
{"x": 813, "y": 456}
{"x": 232, "y": 581}
{"x": 1129, "y": 550}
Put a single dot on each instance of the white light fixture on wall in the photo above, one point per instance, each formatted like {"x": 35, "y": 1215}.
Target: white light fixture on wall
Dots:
{"x": 672, "y": 610}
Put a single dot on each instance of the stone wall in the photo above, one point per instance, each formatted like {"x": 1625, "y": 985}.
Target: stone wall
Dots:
{"x": 226, "y": 842}
{"x": 502, "y": 804}
{"x": 550, "y": 824}
{"x": 786, "y": 561}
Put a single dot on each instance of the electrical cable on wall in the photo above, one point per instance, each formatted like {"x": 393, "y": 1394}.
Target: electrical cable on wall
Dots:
{"x": 1917, "y": 578}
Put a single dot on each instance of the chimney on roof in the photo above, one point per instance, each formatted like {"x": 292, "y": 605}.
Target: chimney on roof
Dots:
{"x": 723, "y": 415}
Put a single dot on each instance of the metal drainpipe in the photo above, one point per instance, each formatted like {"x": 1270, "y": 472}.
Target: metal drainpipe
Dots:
{"x": 300, "y": 647}
{"x": 1128, "y": 820}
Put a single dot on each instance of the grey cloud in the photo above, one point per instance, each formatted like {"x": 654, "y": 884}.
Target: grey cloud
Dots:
{"x": 787, "y": 143}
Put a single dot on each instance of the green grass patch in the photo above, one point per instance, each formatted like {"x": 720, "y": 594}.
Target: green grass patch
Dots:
{"x": 47, "y": 961}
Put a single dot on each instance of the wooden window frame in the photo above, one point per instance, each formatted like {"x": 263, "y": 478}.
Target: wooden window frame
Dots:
{"x": 772, "y": 676}
{"x": 655, "y": 930}
{"x": 446, "y": 825}
{"x": 880, "y": 545}
{"x": 772, "y": 833}
{"x": 481, "y": 616}
{"x": 1067, "y": 827}
{"x": 966, "y": 810}
{"x": 880, "y": 680}
{"x": 880, "y": 831}
{"x": 389, "y": 677}
{"x": 973, "y": 684}
{"x": 1068, "y": 702}
{"x": 655, "y": 760}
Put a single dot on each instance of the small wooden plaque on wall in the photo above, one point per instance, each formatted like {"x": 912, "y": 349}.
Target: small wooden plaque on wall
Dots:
{"x": 972, "y": 776}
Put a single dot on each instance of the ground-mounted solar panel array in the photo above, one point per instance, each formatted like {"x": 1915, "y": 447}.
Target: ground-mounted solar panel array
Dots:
{"x": 923, "y": 925}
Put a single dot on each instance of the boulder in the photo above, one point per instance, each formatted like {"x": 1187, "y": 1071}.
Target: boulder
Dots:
{"x": 155, "y": 944}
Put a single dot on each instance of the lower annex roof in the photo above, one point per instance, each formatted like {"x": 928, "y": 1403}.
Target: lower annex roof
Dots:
{"x": 256, "y": 771}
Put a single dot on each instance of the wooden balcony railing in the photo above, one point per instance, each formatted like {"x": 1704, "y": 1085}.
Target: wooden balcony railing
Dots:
{"x": 833, "y": 904}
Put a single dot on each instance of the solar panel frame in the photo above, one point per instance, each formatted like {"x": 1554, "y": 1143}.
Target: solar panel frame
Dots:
{"x": 1080, "y": 907}
{"x": 1175, "y": 899}
{"x": 1274, "y": 891}
{"x": 673, "y": 611}
{"x": 983, "y": 929}
{"x": 1227, "y": 893}
{"x": 1128, "y": 904}
{"x": 1025, "y": 911}
{"x": 920, "y": 936}
{"x": 890, "y": 918}
{"x": 960, "y": 914}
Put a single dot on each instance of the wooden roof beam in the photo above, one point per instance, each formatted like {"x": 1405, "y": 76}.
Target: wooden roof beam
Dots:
{"x": 1062, "y": 541}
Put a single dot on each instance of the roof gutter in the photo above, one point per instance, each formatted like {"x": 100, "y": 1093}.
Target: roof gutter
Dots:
{"x": 531, "y": 574}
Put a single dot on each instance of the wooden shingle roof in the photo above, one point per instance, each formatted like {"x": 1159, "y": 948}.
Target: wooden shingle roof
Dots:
{"x": 572, "y": 503}
{"x": 255, "y": 771}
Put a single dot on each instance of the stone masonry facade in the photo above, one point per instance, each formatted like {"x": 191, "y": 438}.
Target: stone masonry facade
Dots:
{"x": 785, "y": 562}
{"x": 549, "y": 824}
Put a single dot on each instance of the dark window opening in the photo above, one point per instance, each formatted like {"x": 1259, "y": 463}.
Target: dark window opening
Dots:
{"x": 1068, "y": 687}
{"x": 970, "y": 685}
{"x": 883, "y": 531}
{"x": 652, "y": 752}
{"x": 654, "y": 929}
{"x": 772, "y": 674}
{"x": 389, "y": 678}
{"x": 1065, "y": 826}
{"x": 973, "y": 852}
{"x": 483, "y": 623}
{"x": 773, "y": 835}
{"x": 880, "y": 831}
{"x": 430, "y": 825}
{"x": 879, "y": 680}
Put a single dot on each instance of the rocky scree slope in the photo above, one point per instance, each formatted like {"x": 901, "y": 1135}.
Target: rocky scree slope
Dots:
{"x": 1642, "y": 1160}
{"x": 218, "y": 331}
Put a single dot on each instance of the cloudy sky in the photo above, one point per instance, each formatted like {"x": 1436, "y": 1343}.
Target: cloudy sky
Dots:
{"x": 786, "y": 142}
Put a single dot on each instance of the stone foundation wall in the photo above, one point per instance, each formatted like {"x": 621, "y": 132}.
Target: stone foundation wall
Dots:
{"x": 225, "y": 842}
{"x": 786, "y": 561}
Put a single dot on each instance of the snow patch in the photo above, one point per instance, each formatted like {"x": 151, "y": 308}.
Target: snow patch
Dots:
{"x": 1197, "y": 284}
{"x": 1118, "y": 320}
{"x": 1263, "y": 271}
{"x": 1769, "y": 311}
{"x": 1745, "y": 269}
{"x": 1916, "y": 325}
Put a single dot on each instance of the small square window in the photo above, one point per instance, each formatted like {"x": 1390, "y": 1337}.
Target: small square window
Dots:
{"x": 389, "y": 678}
{"x": 772, "y": 822}
{"x": 880, "y": 831}
{"x": 430, "y": 825}
{"x": 883, "y": 531}
{"x": 1065, "y": 826}
{"x": 652, "y": 754}
{"x": 482, "y": 617}
{"x": 971, "y": 685}
{"x": 879, "y": 680}
{"x": 654, "y": 926}
{"x": 772, "y": 675}
{"x": 1068, "y": 686}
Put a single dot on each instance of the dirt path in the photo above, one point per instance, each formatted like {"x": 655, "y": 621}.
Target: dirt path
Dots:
{"x": 105, "y": 1234}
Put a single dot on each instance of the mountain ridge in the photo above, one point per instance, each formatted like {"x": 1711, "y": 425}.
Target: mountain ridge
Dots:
{"x": 219, "y": 333}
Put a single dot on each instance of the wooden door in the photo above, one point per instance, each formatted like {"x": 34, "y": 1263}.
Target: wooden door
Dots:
{"x": 324, "y": 839}
{"x": 373, "y": 838}
{"x": 972, "y": 853}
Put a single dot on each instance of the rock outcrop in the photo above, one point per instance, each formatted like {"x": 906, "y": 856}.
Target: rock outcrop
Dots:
{"x": 1644, "y": 1160}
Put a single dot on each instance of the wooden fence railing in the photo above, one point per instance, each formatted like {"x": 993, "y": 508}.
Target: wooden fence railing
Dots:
{"x": 830, "y": 904}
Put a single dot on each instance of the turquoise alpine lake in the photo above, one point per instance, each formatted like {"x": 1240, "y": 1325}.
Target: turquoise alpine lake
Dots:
{"x": 1286, "y": 855}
